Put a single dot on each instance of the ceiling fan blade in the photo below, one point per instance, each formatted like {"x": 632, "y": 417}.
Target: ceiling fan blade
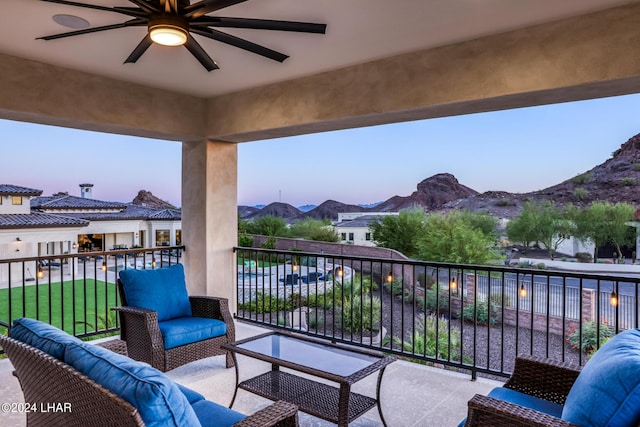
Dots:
{"x": 203, "y": 7}
{"x": 240, "y": 43}
{"x": 196, "y": 50}
{"x": 131, "y": 11}
{"x": 133, "y": 22}
{"x": 146, "y": 6}
{"x": 139, "y": 50}
{"x": 88, "y": 6}
{"x": 260, "y": 24}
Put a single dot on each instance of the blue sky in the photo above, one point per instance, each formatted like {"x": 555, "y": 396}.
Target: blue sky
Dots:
{"x": 517, "y": 150}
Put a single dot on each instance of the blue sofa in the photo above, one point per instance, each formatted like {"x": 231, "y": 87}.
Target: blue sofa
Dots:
{"x": 73, "y": 383}
{"x": 606, "y": 392}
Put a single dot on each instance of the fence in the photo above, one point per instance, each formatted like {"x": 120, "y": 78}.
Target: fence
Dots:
{"x": 474, "y": 318}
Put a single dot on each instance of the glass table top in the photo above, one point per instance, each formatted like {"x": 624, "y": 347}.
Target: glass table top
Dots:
{"x": 317, "y": 356}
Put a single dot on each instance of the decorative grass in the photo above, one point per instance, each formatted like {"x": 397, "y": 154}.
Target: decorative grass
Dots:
{"x": 76, "y": 307}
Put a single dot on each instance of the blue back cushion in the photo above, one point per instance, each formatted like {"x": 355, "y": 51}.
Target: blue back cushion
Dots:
{"x": 607, "y": 391}
{"x": 158, "y": 399}
{"x": 163, "y": 290}
{"x": 42, "y": 336}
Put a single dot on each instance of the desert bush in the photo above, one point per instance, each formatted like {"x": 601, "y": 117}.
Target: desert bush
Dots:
{"x": 432, "y": 337}
{"x": 360, "y": 313}
{"x": 584, "y": 257}
{"x": 629, "y": 182}
{"x": 485, "y": 313}
{"x": 587, "y": 341}
{"x": 541, "y": 266}
{"x": 265, "y": 303}
{"x": 437, "y": 299}
{"x": 504, "y": 203}
{"x": 580, "y": 193}
{"x": 583, "y": 178}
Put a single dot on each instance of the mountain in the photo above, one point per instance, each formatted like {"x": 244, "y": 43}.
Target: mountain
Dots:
{"x": 245, "y": 211}
{"x": 330, "y": 210}
{"x": 282, "y": 210}
{"x": 615, "y": 180}
{"x": 145, "y": 198}
{"x": 307, "y": 208}
{"x": 431, "y": 194}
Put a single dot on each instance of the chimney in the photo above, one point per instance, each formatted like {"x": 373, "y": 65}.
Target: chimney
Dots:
{"x": 85, "y": 191}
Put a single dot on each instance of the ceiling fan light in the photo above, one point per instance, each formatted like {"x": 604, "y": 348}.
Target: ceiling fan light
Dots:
{"x": 168, "y": 35}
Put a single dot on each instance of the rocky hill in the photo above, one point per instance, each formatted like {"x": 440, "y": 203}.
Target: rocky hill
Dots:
{"x": 431, "y": 194}
{"x": 282, "y": 210}
{"x": 615, "y": 180}
{"x": 330, "y": 209}
{"x": 145, "y": 198}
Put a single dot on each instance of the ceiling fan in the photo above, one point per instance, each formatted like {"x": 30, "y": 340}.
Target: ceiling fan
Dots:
{"x": 173, "y": 23}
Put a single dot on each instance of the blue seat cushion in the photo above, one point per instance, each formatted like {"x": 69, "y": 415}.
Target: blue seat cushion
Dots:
{"x": 158, "y": 399}
{"x": 191, "y": 395}
{"x": 163, "y": 290}
{"x": 212, "y": 414}
{"x": 607, "y": 391}
{"x": 42, "y": 336}
{"x": 524, "y": 400}
{"x": 186, "y": 330}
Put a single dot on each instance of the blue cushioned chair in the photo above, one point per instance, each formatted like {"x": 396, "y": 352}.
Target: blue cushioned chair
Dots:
{"x": 606, "y": 392}
{"x": 164, "y": 326}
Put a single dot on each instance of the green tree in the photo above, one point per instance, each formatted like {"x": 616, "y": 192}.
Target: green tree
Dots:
{"x": 449, "y": 238}
{"x": 522, "y": 229}
{"x": 483, "y": 221}
{"x": 400, "y": 232}
{"x": 604, "y": 222}
{"x": 268, "y": 225}
{"x": 313, "y": 229}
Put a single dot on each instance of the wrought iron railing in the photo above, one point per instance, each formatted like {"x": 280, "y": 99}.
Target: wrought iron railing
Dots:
{"x": 74, "y": 292}
{"x": 475, "y": 318}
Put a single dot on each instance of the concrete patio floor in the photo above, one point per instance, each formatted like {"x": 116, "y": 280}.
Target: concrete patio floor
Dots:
{"x": 412, "y": 395}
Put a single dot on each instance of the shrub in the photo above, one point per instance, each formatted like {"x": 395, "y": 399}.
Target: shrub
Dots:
{"x": 583, "y": 178}
{"x": 584, "y": 257}
{"x": 432, "y": 337}
{"x": 395, "y": 288}
{"x": 265, "y": 303}
{"x": 437, "y": 299}
{"x": 245, "y": 241}
{"x": 496, "y": 299}
{"x": 636, "y": 166}
{"x": 541, "y": 266}
{"x": 504, "y": 203}
{"x": 482, "y": 310}
{"x": 587, "y": 341}
{"x": 629, "y": 182}
{"x": 580, "y": 193}
{"x": 360, "y": 313}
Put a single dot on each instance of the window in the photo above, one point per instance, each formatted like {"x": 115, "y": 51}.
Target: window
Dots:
{"x": 162, "y": 237}
{"x": 1, "y": 199}
{"x": 343, "y": 236}
{"x": 367, "y": 236}
{"x": 178, "y": 237}
{"x": 350, "y": 236}
{"x": 16, "y": 200}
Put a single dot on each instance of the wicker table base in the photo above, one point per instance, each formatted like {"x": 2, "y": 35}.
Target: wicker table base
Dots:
{"x": 317, "y": 399}
{"x": 337, "y": 363}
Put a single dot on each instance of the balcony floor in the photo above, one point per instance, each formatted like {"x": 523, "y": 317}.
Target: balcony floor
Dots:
{"x": 411, "y": 394}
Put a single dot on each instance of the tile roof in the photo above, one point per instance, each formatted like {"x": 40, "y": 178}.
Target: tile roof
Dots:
{"x": 130, "y": 212}
{"x": 14, "y": 190}
{"x": 361, "y": 221}
{"x": 72, "y": 202}
{"x": 39, "y": 220}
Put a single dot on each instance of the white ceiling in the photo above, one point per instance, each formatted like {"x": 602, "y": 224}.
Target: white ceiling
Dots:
{"x": 357, "y": 31}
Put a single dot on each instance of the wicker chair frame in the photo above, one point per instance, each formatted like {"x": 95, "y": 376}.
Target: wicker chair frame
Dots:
{"x": 139, "y": 328}
{"x": 45, "y": 380}
{"x": 535, "y": 376}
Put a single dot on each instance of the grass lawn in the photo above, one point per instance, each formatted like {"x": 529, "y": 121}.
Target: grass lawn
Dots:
{"x": 77, "y": 307}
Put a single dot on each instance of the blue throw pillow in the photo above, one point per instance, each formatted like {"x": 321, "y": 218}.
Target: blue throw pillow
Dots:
{"x": 607, "y": 391}
{"x": 163, "y": 290}
{"x": 42, "y": 336}
{"x": 158, "y": 399}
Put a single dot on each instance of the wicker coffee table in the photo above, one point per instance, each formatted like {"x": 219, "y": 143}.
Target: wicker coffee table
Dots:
{"x": 336, "y": 363}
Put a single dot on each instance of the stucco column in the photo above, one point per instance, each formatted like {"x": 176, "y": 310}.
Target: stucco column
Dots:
{"x": 210, "y": 217}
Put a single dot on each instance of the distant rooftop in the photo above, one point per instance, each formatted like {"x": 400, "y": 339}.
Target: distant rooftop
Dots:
{"x": 66, "y": 201}
{"x": 361, "y": 221}
{"x": 130, "y": 211}
{"x": 14, "y": 190}
{"x": 39, "y": 220}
